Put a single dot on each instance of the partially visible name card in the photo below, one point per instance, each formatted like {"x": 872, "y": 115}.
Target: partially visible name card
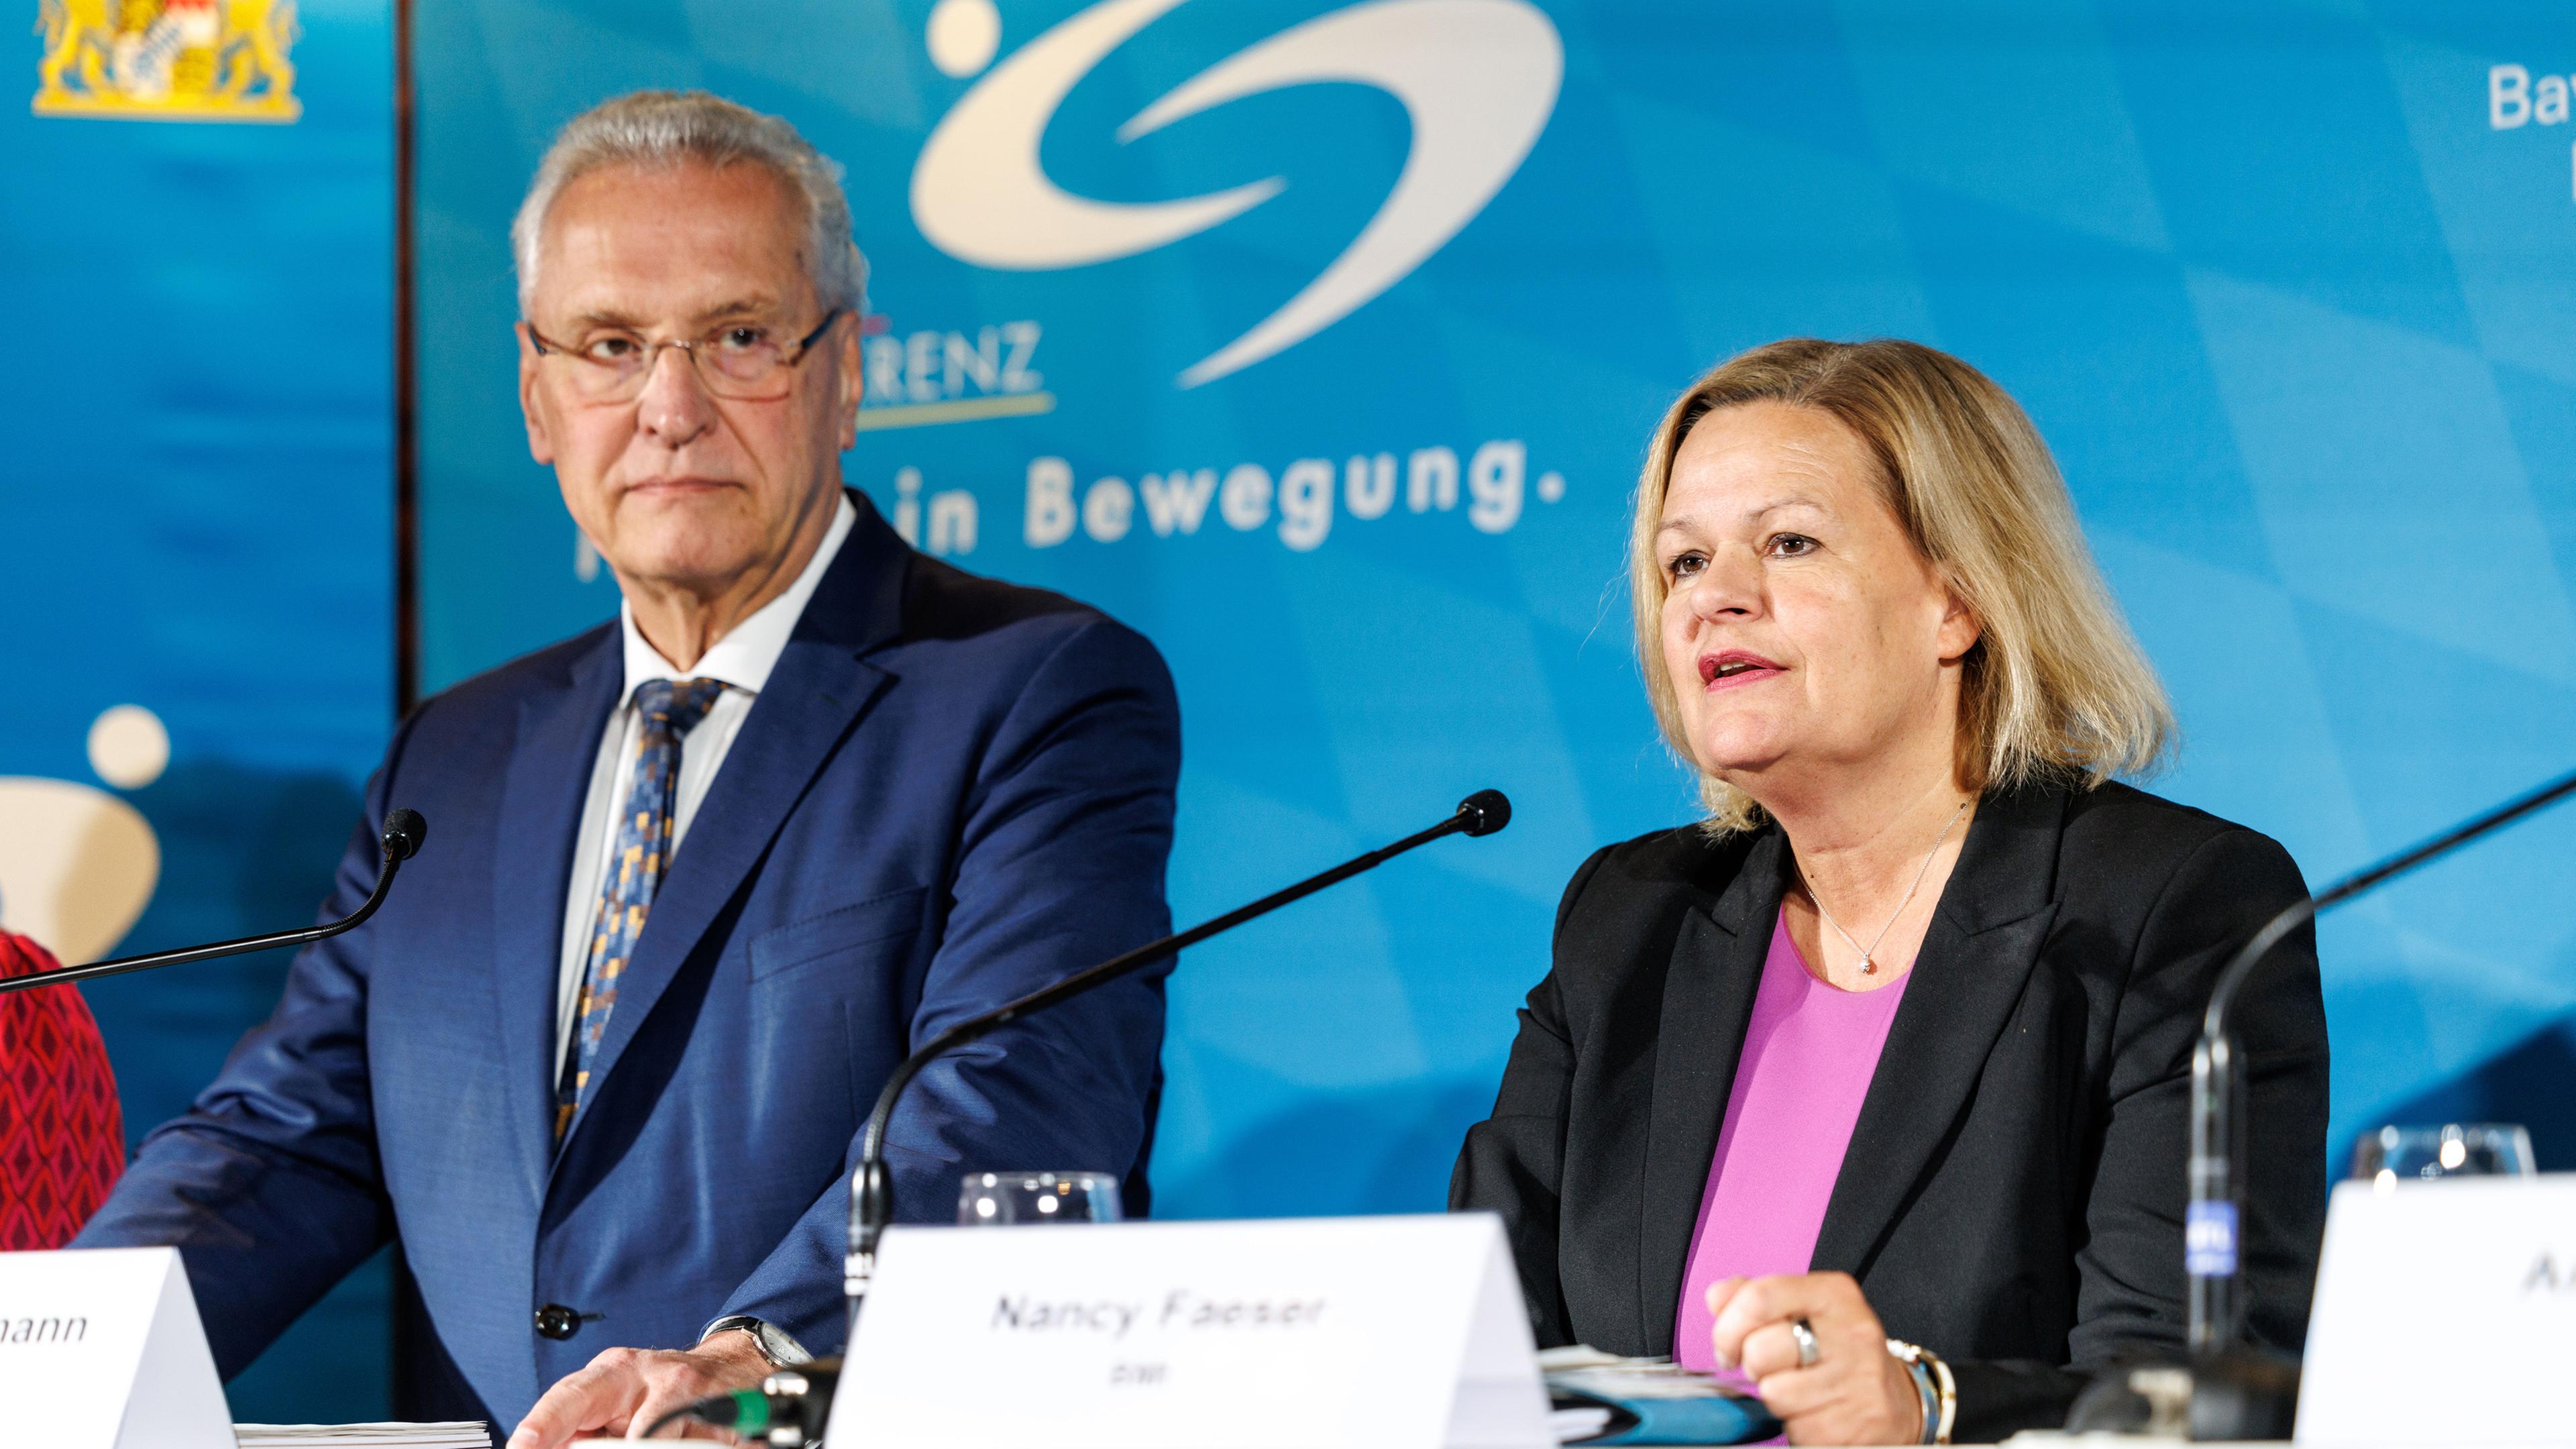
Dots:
{"x": 2445, "y": 1314}
{"x": 102, "y": 1349}
{"x": 1398, "y": 1333}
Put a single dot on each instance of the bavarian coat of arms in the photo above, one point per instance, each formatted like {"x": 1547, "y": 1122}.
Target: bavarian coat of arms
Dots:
{"x": 167, "y": 60}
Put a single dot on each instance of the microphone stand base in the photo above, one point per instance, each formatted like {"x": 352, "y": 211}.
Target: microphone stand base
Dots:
{"x": 2239, "y": 1393}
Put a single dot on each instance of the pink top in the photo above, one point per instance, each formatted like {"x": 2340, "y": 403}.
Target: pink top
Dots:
{"x": 1809, "y": 1053}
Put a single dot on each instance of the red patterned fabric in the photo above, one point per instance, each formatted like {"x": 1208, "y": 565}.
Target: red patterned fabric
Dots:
{"x": 62, "y": 1139}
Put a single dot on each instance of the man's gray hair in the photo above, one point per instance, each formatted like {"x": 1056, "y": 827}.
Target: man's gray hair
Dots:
{"x": 665, "y": 128}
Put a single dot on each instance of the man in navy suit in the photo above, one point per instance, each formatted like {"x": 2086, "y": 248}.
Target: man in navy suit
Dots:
{"x": 696, "y": 880}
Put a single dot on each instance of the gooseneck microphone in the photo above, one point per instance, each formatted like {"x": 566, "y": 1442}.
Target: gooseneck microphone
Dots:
{"x": 403, "y": 833}
{"x": 872, "y": 1190}
{"x": 2218, "y": 1090}
{"x": 791, "y": 1406}
{"x": 2233, "y": 1388}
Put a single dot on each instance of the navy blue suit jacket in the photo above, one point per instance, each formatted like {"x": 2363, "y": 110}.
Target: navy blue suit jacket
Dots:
{"x": 951, "y": 792}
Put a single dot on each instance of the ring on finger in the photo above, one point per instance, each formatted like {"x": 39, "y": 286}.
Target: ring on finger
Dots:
{"x": 1805, "y": 1335}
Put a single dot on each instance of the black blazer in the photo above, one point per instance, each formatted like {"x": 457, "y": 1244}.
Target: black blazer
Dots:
{"x": 2013, "y": 1194}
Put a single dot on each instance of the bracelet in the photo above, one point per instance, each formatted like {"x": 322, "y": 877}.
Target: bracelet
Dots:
{"x": 1949, "y": 1396}
{"x": 1932, "y": 1380}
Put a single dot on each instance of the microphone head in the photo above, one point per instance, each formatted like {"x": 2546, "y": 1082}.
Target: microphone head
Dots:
{"x": 1487, "y": 811}
{"x": 404, "y": 831}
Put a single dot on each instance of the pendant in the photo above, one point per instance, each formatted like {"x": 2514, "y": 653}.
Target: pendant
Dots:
{"x": 1868, "y": 967}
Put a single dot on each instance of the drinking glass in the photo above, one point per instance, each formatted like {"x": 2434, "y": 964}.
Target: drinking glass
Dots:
{"x": 1037, "y": 1199}
{"x": 2394, "y": 1154}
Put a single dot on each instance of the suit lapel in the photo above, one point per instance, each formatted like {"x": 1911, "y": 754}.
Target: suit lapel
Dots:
{"x": 1967, "y": 979}
{"x": 813, "y": 699}
{"x": 548, "y": 777}
{"x": 1708, "y": 1002}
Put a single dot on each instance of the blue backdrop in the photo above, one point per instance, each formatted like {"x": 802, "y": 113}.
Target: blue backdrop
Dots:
{"x": 196, "y": 534}
{"x": 2291, "y": 288}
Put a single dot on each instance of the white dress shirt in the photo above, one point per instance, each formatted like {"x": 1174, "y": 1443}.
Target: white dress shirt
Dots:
{"x": 742, "y": 659}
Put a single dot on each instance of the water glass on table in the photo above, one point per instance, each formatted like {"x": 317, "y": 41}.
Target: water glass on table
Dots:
{"x": 1037, "y": 1199}
{"x": 2395, "y": 1154}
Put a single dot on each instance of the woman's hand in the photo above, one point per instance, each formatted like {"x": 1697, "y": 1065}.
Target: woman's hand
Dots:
{"x": 1854, "y": 1393}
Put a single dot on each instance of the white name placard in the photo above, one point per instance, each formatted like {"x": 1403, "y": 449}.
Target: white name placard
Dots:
{"x": 1394, "y": 1332}
{"x": 101, "y": 1349}
{"x": 2445, "y": 1314}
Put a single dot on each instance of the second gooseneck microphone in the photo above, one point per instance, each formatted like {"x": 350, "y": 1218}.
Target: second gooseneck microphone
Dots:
{"x": 2231, "y": 1388}
{"x": 792, "y": 1406}
{"x": 872, "y": 1190}
{"x": 2217, "y": 1306}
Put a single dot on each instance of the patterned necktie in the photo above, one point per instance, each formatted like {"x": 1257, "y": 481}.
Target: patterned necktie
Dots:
{"x": 633, "y": 871}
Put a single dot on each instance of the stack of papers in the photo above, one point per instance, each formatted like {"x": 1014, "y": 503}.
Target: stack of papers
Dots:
{"x": 362, "y": 1436}
{"x": 1601, "y": 1398}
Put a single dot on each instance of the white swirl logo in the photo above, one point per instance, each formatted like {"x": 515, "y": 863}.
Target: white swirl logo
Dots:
{"x": 1477, "y": 77}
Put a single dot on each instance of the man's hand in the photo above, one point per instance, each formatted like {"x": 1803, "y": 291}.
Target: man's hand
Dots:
{"x": 1854, "y": 1393}
{"x": 625, "y": 1389}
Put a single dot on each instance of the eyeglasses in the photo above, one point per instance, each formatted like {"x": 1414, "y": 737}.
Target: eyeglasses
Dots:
{"x": 741, "y": 360}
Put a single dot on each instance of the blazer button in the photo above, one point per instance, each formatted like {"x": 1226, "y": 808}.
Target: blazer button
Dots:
{"x": 558, "y": 1322}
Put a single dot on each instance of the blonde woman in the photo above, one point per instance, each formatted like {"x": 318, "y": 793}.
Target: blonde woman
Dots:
{"x": 1872, "y": 1083}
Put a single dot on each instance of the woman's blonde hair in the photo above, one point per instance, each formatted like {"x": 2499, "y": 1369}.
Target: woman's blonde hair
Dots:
{"x": 2056, "y": 687}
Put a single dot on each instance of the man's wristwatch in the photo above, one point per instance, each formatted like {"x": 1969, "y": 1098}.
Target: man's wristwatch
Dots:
{"x": 773, "y": 1341}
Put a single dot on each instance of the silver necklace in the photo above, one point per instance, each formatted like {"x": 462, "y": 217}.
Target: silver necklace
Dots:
{"x": 1869, "y": 953}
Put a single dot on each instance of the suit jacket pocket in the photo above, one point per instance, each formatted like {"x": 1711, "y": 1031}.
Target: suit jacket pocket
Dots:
{"x": 872, "y": 923}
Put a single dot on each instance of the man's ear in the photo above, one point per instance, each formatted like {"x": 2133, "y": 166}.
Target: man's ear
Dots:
{"x": 541, "y": 443}
{"x": 846, "y": 352}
